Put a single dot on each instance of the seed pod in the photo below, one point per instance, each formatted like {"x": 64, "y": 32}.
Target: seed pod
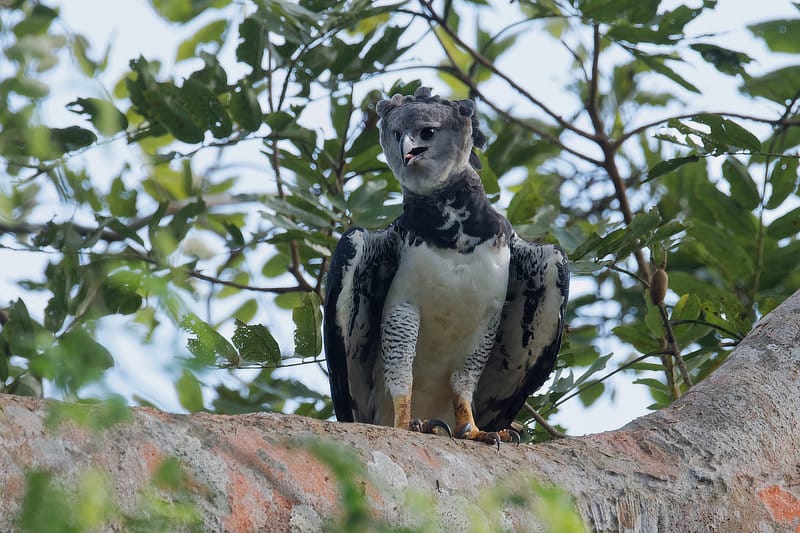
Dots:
{"x": 658, "y": 286}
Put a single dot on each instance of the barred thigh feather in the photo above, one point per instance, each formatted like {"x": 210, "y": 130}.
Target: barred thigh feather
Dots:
{"x": 529, "y": 335}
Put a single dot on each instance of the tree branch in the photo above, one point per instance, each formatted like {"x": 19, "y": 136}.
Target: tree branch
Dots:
{"x": 734, "y": 436}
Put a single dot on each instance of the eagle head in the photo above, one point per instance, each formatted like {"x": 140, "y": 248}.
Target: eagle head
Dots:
{"x": 427, "y": 140}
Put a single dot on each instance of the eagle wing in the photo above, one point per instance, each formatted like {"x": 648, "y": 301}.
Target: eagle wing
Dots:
{"x": 529, "y": 335}
{"x": 362, "y": 268}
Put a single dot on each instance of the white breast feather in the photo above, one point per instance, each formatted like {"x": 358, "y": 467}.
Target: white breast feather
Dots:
{"x": 458, "y": 297}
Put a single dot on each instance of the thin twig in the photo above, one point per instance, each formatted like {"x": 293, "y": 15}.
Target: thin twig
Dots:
{"x": 673, "y": 344}
{"x": 486, "y": 63}
{"x": 544, "y": 423}
{"x": 602, "y": 379}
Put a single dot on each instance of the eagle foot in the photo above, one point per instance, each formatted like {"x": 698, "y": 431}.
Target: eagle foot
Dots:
{"x": 489, "y": 437}
{"x": 429, "y": 425}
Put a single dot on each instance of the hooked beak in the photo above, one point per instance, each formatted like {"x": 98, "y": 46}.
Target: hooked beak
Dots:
{"x": 409, "y": 149}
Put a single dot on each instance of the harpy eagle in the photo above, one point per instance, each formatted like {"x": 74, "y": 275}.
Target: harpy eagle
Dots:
{"x": 446, "y": 317}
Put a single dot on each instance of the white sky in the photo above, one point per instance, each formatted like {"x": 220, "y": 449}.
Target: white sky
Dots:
{"x": 132, "y": 29}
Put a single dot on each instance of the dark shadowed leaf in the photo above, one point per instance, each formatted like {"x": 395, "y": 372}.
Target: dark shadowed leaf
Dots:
{"x": 787, "y": 225}
{"x": 244, "y": 107}
{"x": 669, "y": 165}
{"x": 103, "y": 114}
{"x": 743, "y": 187}
{"x": 256, "y": 343}
{"x": 71, "y": 138}
{"x": 724, "y": 60}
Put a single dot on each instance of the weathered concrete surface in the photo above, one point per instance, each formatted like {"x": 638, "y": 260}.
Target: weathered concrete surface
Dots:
{"x": 726, "y": 457}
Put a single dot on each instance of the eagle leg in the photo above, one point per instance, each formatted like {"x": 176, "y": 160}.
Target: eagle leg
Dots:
{"x": 466, "y": 428}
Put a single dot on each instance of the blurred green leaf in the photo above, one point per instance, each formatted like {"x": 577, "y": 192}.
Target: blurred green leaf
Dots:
{"x": 36, "y": 22}
{"x": 189, "y": 394}
{"x": 743, "y": 187}
{"x": 255, "y": 343}
{"x": 252, "y": 45}
{"x": 207, "y": 345}
{"x": 244, "y": 107}
{"x": 787, "y": 225}
{"x": 779, "y": 85}
{"x": 780, "y": 35}
{"x": 307, "y": 319}
{"x": 724, "y": 60}
{"x": 783, "y": 178}
{"x": 213, "y": 32}
{"x": 669, "y": 165}
{"x": 103, "y": 114}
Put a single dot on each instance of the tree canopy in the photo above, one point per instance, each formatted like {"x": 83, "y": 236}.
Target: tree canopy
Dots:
{"x": 234, "y": 172}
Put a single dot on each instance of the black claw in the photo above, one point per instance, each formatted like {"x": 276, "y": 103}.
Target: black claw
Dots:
{"x": 515, "y": 438}
{"x": 431, "y": 423}
{"x": 496, "y": 439}
{"x": 428, "y": 426}
{"x": 465, "y": 431}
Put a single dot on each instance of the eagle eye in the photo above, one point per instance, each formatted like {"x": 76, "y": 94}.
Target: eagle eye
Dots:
{"x": 426, "y": 134}
{"x": 396, "y": 135}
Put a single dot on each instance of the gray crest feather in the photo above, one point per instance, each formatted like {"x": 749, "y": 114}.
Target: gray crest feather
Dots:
{"x": 464, "y": 108}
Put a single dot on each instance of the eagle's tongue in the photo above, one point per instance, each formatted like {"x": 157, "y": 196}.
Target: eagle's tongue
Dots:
{"x": 415, "y": 152}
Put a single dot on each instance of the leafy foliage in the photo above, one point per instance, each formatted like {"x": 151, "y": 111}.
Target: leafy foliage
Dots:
{"x": 182, "y": 238}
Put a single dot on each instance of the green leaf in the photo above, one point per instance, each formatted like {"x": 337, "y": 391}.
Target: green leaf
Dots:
{"x": 103, "y": 114}
{"x": 638, "y": 336}
{"x": 785, "y": 226}
{"x": 653, "y": 320}
{"x": 779, "y": 85}
{"x": 119, "y": 293}
{"x": 589, "y": 395}
{"x": 780, "y": 35}
{"x": 256, "y": 343}
{"x": 20, "y": 331}
{"x": 244, "y": 107}
{"x": 213, "y": 32}
{"x": 207, "y": 345}
{"x": 36, "y": 22}
{"x": 783, "y": 179}
{"x": 185, "y": 10}
{"x": 736, "y": 135}
{"x": 121, "y": 201}
{"x": 308, "y": 322}
{"x": 659, "y": 169}
{"x": 687, "y": 308}
{"x": 189, "y": 394}
{"x": 71, "y": 138}
{"x": 743, "y": 187}
{"x": 636, "y": 11}
{"x": 75, "y": 360}
{"x": 45, "y": 507}
{"x": 725, "y": 132}
{"x": 252, "y": 45}
{"x": 657, "y": 64}
{"x": 724, "y": 60}
{"x": 205, "y": 108}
